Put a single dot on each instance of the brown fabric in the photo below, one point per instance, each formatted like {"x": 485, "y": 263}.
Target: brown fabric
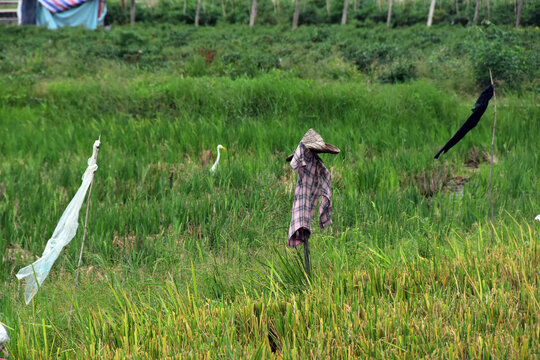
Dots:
{"x": 313, "y": 141}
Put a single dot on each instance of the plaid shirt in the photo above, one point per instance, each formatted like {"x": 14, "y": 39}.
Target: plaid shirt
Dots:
{"x": 313, "y": 182}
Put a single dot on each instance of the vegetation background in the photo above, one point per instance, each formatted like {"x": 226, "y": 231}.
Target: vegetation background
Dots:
{"x": 181, "y": 264}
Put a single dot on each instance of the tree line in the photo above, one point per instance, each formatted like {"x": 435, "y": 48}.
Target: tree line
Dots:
{"x": 297, "y": 12}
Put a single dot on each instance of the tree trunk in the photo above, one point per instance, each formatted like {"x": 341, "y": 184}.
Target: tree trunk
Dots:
{"x": 345, "y": 10}
{"x": 328, "y": 7}
{"x": 296, "y": 15}
{"x": 518, "y": 16}
{"x": 223, "y": 10}
{"x": 430, "y": 15}
{"x": 389, "y": 18}
{"x": 457, "y": 8}
{"x": 476, "y": 12}
{"x": 198, "y": 13}
{"x": 185, "y": 6}
{"x": 132, "y": 15}
{"x": 488, "y": 9}
{"x": 253, "y": 14}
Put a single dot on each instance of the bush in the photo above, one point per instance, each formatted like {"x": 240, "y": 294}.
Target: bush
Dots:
{"x": 510, "y": 61}
{"x": 398, "y": 72}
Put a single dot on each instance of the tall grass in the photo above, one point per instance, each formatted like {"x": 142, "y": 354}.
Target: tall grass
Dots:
{"x": 183, "y": 264}
{"x": 180, "y": 262}
{"x": 467, "y": 299}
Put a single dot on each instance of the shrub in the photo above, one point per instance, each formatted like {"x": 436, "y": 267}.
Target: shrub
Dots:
{"x": 398, "y": 72}
{"x": 510, "y": 62}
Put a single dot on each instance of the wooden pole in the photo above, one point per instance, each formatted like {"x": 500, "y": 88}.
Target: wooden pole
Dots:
{"x": 83, "y": 239}
{"x": 307, "y": 264}
{"x": 491, "y": 162}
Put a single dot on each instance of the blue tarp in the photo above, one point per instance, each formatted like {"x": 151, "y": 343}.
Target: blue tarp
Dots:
{"x": 84, "y": 15}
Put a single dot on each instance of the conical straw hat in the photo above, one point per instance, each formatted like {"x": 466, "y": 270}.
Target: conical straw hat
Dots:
{"x": 313, "y": 141}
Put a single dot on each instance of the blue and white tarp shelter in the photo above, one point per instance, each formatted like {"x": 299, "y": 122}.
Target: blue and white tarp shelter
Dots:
{"x": 61, "y": 13}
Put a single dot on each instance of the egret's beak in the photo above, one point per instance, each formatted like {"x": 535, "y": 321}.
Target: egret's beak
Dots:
{"x": 224, "y": 148}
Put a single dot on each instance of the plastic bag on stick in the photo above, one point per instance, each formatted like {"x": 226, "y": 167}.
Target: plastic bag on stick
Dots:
{"x": 37, "y": 272}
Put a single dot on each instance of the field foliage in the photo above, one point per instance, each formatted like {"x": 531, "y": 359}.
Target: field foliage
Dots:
{"x": 459, "y": 58}
{"x": 182, "y": 264}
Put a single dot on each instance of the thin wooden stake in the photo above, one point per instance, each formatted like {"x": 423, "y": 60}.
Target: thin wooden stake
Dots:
{"x": 83, "y": 239}
{"x": 491, "y": 162}
{"x": 307, "y": 264}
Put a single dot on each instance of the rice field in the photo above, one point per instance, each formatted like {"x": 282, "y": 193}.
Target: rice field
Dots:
{"x": 182, "y": 264}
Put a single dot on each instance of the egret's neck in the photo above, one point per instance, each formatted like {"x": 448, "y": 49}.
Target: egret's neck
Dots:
{"x": 218, "y": 155}
{"x": 217, "y": 160}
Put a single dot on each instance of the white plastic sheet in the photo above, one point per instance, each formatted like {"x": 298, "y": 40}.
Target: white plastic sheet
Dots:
{"x": 36, "y": 273}
{"x": 4, "y": 337}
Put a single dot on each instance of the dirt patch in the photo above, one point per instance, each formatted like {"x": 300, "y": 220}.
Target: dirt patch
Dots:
{"x": 438, "y": 180}
{"x": 337, "y": 178}
{"x": 16, "y": 253}
{"x": 206, "y": 157}
{"x": 476, "y": 157}
{"x": 195, "y": 231}
{"x": 287, "y": 179}
{"x": 124, "y": 243}
{"x": 2, "y": 190}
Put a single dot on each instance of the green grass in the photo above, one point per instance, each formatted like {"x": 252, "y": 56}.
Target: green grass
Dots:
{"x": 181, "y": 264}
{"x": 457, "y": 58}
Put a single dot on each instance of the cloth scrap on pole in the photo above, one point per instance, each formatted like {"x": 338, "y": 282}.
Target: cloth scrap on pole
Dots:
{"x": 37, "y": 272}
{"x": 479, "y": 108}
{"x": 56, "y": 6}
{"x": 89, "y": 14}
{"x": 314, "y": 181}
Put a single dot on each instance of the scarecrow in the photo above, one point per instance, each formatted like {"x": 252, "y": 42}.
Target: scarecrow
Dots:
{"x": 313, "y": 182}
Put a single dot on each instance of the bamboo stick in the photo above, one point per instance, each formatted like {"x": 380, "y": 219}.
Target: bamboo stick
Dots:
{"x": 491, "y": 162}
{"x": 83, "y": 239}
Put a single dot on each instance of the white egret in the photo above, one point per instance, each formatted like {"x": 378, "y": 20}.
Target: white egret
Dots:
{"x": 217, "y": 160}
{"x": 4, "y": 338}
{"x": 537, "y": 217}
